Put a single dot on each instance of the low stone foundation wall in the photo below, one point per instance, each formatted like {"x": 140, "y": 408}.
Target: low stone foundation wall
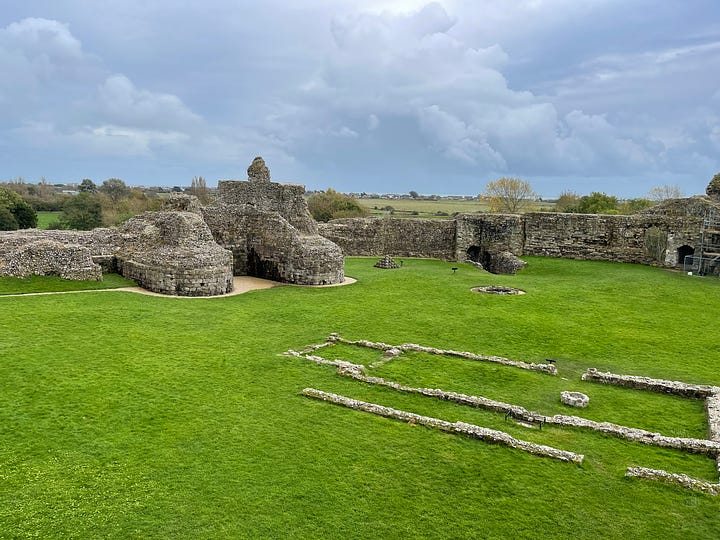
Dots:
{"x": 545, "y": 368}
{"x": 698, "y": 391}
{"x": 462, "y": 428}
{"x": 670, "y": 478}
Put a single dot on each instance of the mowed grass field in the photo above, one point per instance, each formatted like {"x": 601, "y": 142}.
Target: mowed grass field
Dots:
{"x": 436, "y": 209}
{"x": 46, "y": 218}
{"x": 129, "y": 416}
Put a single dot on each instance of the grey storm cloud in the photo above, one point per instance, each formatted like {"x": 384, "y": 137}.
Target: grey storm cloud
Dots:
{"x": 374, "y": 96}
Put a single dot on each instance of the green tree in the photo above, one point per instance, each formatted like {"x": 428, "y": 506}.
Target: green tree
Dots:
{"x": 631, "y": 206}
{"x": 568, "y": 201}
{"x": 333, "y": 205}
{"x": 83, "y": 212}
{"x": 7, "y": 220}
{"x": 413, "y": 194}
{"x": 24, "y": 217}
{"x": 598, "y": 203}
{"x": 87, "y": 186}
{"x": 508, "y": 195}
{"x": 115, "y": 188}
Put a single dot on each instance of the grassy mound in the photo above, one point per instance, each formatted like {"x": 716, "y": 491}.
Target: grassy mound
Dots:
{"x": 124, "y": 415}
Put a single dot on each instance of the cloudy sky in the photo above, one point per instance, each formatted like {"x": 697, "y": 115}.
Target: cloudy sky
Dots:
{"x": 364, "y": 95}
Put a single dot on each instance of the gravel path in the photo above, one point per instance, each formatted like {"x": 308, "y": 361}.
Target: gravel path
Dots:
{"x": 241, "y": 284}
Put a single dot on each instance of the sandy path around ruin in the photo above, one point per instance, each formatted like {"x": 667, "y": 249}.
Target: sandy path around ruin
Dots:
{"x": 241, "y": 284}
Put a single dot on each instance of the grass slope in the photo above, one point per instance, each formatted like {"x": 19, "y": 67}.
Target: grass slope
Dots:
{"x": 130, "y": 416}
{"x": 39, "y": 284}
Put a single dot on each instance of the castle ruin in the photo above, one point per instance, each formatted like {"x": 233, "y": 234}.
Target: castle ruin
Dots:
{"x": 264, "y": 229}
{"x": 255, "y": 227}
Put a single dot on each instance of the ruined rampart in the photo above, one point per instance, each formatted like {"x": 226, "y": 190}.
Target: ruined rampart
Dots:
{"x": 400, "y": 237}
{"x": 662, "y": 235}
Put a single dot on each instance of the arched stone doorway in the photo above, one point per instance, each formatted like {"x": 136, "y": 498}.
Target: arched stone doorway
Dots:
{"x": 480, "y": 255}
{"x": 682, "y": 252}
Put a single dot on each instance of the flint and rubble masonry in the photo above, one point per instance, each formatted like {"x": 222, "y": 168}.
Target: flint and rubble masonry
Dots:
{"x": 470, "y": 430}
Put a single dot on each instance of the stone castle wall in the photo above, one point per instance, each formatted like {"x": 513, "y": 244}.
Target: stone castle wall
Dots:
{"x": 399, "y": 237}
{"x": 651, "y": 237}
{"x": 269, "y": 230}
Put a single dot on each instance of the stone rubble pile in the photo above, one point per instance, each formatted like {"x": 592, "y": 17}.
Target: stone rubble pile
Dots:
{"x": 470, "y": 430}
{"x": 574, "y": 399}
{"x": 386, "y": 263}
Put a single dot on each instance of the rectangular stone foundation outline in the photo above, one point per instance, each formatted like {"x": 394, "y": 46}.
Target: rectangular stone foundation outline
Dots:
{"x": 462, "y": 428}
{"x": 701, "y": 446}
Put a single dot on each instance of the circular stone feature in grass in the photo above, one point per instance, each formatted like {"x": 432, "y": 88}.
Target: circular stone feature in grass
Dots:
{"x": 497, "y": 289}
{"x": 574, "y": 399}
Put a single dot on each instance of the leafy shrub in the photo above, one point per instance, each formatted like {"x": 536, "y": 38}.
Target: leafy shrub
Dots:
{"x": 333, "y": 205}
{"x": 598, "y": 203}
{"x": 22, "y": 214}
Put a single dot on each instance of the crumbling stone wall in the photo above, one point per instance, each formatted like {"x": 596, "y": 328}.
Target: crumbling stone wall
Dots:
{"x": 166, "y": 252}
{"x": 23, "y": 255}
{"x": 173, "y": 253}
{"x": 271, "y": 234}
{"x": 650, "y": 237}
{"x": 397, "y": 237}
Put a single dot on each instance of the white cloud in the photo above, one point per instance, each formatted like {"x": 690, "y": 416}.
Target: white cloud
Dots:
{"x": 121, "y": 102}
{"x": 373, "y": 122}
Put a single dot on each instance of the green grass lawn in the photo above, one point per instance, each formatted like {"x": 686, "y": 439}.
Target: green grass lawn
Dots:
{"x": 39, "y": 284}
{"x": 129, "y": 416}
{"x": 46, "y": 218}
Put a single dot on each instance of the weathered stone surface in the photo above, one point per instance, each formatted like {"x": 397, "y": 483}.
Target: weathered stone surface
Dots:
{"x": 478, "y": 237}
{"x": 671, "y": 478}
{"x": 258, "y": 171}
{"x": 574, "y": 399}
{"x": 712, "y": 406}
{"x": 469, "y": 430}
{"x": 713, "y": 188}
{"x": 546, "y": 368}
{"x": 182, "y": 202}
{"x": 386, "y": 263}
{"x": 173, "y": 253}
{"x": 375, "y": 237}
{"x": 504, "y": 262}
{"x": 699, "y": 391}
{"x": 272, "y": 235}
{"x": 46, "y": 257}
{"x": 498, "y": 289}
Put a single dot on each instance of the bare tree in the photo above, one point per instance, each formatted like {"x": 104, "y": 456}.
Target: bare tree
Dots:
{"x": 508, "y": 195}
{"x": 198, "y": 187}
{"x": 660, "y": 194}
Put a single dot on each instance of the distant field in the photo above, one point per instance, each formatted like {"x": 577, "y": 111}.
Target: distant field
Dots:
{"x": 46, "y": 218}
{"x": 433, "y": 209}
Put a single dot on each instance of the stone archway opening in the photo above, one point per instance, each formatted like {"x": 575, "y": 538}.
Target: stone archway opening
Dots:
{"x": 479, "y": 255}
{"x": 682, "y": 252}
